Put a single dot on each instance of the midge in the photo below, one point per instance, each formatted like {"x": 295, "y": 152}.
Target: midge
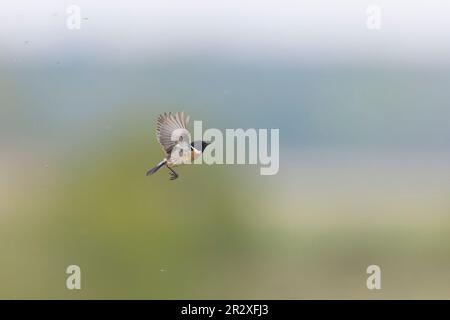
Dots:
{"x": 208, "y": 147}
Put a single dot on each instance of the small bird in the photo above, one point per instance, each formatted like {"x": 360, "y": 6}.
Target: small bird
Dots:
{"x": 173, "y": 136}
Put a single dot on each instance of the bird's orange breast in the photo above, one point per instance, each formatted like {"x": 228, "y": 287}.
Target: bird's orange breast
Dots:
{"x": 195, "y": 154}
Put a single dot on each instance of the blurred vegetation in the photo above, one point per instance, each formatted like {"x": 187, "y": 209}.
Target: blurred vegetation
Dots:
{"x": 217, "y": 231}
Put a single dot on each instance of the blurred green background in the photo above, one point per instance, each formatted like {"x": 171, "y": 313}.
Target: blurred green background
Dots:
{"x": 364, "y": 166}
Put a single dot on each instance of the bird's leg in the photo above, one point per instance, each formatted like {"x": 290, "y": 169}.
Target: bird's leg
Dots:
{"x": 173, "y": 174}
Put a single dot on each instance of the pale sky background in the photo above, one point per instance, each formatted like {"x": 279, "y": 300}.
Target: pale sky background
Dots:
{"x": 312, "y": 68}
{"x": 412, "y": 31}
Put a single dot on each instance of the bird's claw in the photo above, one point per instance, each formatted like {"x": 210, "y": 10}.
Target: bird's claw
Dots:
{"x": 173, "y": 175}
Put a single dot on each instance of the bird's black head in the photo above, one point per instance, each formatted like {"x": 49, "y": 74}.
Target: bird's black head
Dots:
{"x": 200, "y": 145}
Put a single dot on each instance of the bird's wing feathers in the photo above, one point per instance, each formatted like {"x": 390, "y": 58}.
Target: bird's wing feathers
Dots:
{"x": 171, "y": 129}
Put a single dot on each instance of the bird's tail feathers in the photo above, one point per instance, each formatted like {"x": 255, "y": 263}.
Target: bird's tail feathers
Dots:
{"x": 156, "y": 168}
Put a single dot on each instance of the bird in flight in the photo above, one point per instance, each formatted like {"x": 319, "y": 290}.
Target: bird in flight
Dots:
{"x": 174, "y": 137}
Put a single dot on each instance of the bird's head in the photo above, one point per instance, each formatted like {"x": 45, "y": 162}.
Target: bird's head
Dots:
{"x": 199, "y": 145}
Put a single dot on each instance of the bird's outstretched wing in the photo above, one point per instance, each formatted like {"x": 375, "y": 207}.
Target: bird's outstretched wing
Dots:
{"x": 171, "y": 129}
